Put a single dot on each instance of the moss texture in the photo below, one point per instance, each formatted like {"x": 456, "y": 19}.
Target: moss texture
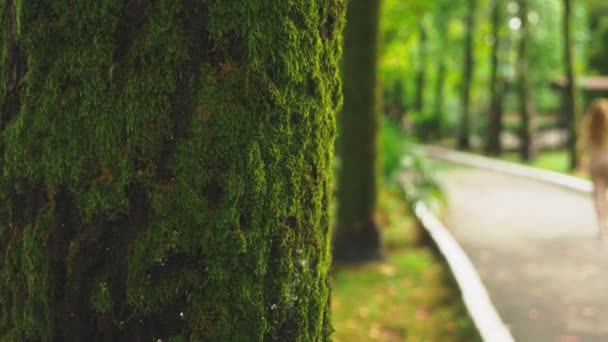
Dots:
{"x": 166, "y": 169}
{"x": 356, "y": 236}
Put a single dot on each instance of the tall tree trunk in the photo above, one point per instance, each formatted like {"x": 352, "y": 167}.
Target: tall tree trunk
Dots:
{"x": 166, "y": 169}
{"x": 421, "y": 72}
{"x": 570, "y": 97}
{"x": 356, "y": 235}
{"x": 493, "y": 145}
{"x": 527, "y": 152}
{"x": 469, "y": 63}
{"x": 396, "y": 108}
{"x": 439, "y": 96}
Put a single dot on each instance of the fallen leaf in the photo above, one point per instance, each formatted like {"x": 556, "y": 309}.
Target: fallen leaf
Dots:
{"x": 422, "y": 313}
{"x": 387, "y": 270}
{"x": 363, "y": 311}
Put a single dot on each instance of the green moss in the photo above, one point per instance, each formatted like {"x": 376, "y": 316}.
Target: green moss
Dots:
{"x": 100, "y": 298}
{"x": 37, "y": 313}
{"x": 233, "y": 240}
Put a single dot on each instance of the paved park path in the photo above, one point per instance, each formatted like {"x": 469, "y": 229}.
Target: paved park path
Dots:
{"x": 536, "y": 249}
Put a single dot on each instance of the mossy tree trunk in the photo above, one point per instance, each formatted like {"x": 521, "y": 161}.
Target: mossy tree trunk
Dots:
{"x": 570, "y": 97}
{"x": 356, "y": 235}
{"x": 421, "y": 71}
{"x": 467, "y": 78}
{"x": 526, "y": 132}
{"x": 166, "y": 169}
{"x": 493, "y": 145}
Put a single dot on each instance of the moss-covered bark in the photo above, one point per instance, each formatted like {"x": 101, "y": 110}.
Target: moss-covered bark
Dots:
{"x": 526, "y": 132}
{"x": 356, "y": 235}
{"x": 493, "y": 145}
{"x": 467, "y": 78}
{"x": 166, "y": 169}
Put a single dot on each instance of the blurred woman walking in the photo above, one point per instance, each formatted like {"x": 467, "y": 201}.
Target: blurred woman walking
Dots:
{"x": 593, "y": 147}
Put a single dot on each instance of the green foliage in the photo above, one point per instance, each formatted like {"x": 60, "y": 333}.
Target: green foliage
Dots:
{"x": 404, "y": 166}
{"x": 101, "y": 299}
{"x": 393, "y": 147}
{"x": 445, "y": 22}
{"x": 598, "y": 22}
{"x": 546, "y": 48}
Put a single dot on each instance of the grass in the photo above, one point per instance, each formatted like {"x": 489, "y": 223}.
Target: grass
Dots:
{"x": 552, "y": 160}
{"x": 555, "y": 160}
{"x": 407, "y": 297}
{"x": 549, "y": 160}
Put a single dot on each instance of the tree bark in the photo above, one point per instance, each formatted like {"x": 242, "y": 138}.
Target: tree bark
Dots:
{"x": 421, "y": 72}
{"x": 396, "y": 108}
{"x": 493, "y": 145}
{"x": 356, "y": 236}
{"x": 527, "y": 151}
{"x": 166, "y": 169}
{"x": 469, "y": 63}
{"x": 439, "y": 101}
{"x": 570, "y": 97}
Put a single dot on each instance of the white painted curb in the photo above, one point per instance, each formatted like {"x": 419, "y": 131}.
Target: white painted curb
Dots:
{"x": 475, "y": 296}
{"x": 555, "y": 178}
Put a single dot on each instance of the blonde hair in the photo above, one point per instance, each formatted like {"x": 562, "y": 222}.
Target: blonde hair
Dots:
{"x": 595, "y": 125}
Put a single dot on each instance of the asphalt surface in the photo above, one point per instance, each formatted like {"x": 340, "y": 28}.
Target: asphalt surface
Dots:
{"x": 537, "y": 251}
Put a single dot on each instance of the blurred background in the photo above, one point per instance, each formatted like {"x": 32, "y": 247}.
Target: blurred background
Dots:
{"x": 507, "y": 79}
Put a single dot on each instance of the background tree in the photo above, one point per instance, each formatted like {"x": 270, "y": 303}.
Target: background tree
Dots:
{"x": 356, "y": 235}
{"x": 493, "y": 145}
{"x": 395, "y": 106}
{"x": 526, "y": 132}
{"x": 421, "y": 72}
{"x": 570, "y": 84}
{"x": 598, "y": 26}
{"x": 441, "y": 18}
{"x": 469, "y": 62}
{"x": 166, "y": 169}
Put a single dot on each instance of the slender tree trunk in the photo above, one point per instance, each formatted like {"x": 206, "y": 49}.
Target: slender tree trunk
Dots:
{"x": 421, "y": 72}
{"x": 166, "y": 169}
{"x": 469, "y": 63}
{"x": 493, "y": 145}
{"x": 440, "y": 97}
{"x": 527, "y": 151}
{"x": 439, "y": 102}
{"x": 356, "y": 236}
{"x": 570, "y": 98}
{"x": 396, "y": 109}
